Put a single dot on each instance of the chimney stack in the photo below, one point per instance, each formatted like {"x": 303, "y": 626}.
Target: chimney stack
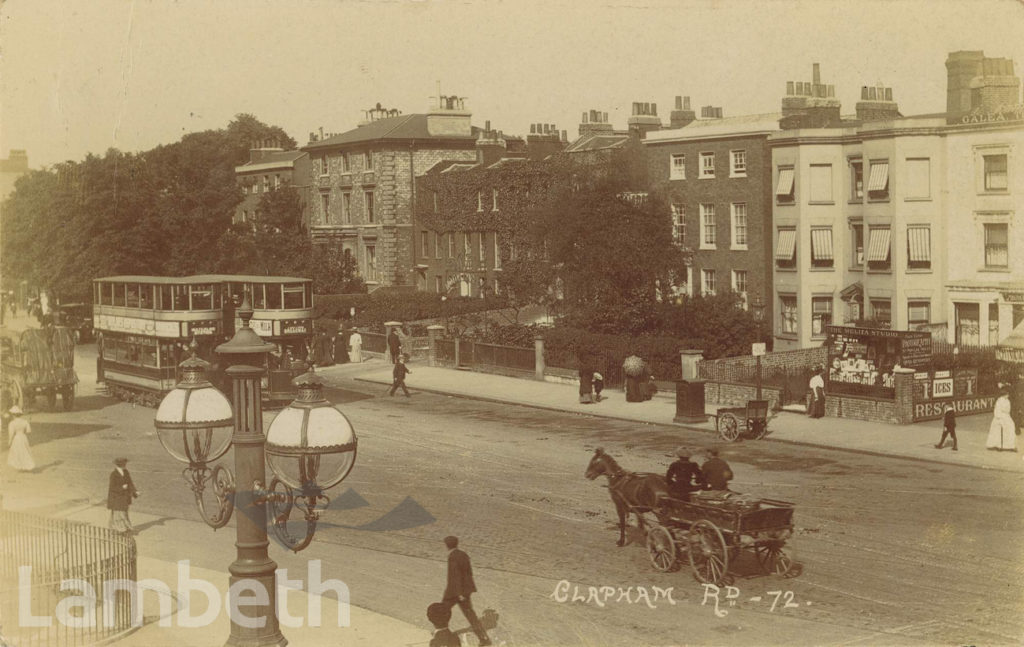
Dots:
{"x": 810, "y": 104}
{"x": 644, "y": 119}
{"x": 975, "y": 83}
{"x": 595, "y": 122}
{"x": 682, "y": 115}
{"x": 876, "y": 104}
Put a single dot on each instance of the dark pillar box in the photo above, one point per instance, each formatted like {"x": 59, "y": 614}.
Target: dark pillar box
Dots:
{"x": 690, "y": 401}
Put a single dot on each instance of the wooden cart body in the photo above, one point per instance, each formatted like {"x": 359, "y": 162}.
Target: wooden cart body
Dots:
{"x": 713, "y": 527}
{"x": 750, "y": 421}
{"x": 40, "y": 362}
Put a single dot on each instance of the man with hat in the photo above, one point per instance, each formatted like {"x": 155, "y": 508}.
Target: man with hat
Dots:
{"x": 716, "y": 471}
{"x": 683, "y": 475}
{"x": 461, "y": 586}
{"x": 120, "y": 493}
{"x": 948, "y": 426}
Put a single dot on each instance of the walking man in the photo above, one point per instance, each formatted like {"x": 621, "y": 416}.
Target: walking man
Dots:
{"x": 394, "y": 345}
{"x": 120, "y": 493}
{"x": 399, "y": 373}
{"x": 948, "y": 426}
{"x": 461, "y": 586}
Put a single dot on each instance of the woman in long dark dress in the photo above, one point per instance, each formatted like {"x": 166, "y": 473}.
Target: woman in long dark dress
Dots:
{"x": 586, "y": 385}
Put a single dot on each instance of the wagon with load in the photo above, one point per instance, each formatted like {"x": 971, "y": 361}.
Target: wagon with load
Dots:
{"x": 39, "y": 362}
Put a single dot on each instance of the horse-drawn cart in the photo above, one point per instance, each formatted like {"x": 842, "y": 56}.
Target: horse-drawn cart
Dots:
{"x": 750, "y": 421}
{"x": 39, "y": 362}
{"x": 713, "y": 527}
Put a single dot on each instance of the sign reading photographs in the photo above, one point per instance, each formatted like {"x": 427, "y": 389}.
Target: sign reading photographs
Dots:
{"x": 862, "y": 361}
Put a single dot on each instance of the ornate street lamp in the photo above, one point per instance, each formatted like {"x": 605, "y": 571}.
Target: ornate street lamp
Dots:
{"x": 312, "y": 448}
{"x": 194, "y": 426}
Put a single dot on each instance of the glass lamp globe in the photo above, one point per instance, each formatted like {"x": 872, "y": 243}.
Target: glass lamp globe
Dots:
{"x": 311, "y": 446}
{"x": 194, "y": 421}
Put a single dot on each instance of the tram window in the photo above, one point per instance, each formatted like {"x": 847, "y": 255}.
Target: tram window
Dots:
{"x": 237, "y": 291}
{"x": 146, "y": 297}
{"x": 202, "y": 296}
{"x": 167, "y": 354}
{"x": 273, "y": 296}
{"x": 118, "y": 294}
{"x": 106, "y": 292}
{"x": 149, "y": 356}
{"x": 110, "y": 349}
{"x": 132, "y": 296}
{"x": 180, "y": 297}
{"x": 259, "y": 300}
{"x": 293, "y": 294}
{"x": 309, "y": 295}
{"x": 165, "y": 302}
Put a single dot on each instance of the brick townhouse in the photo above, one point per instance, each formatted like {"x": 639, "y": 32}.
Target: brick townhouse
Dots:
{"x": 270, "y": 168}
{"x": 363, "y": 183}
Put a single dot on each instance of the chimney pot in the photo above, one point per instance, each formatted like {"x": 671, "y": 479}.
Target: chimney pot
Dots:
{"x": 604, "y": 118}
{"x": 679, "y": 102}
{"x": 686, "y": 103}
{"x": 533, "y": 127}
{"x": 565, "y": 136}
{"x": 817, "y": 74}
{"x": 487, "y": 125}
{"x": 888, "y": 94}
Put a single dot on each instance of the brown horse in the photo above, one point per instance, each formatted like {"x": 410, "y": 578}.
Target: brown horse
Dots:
{"x": 636, "y": 492}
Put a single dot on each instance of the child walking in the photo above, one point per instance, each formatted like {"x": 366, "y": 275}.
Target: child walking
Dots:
{"x": 948, "y": 427}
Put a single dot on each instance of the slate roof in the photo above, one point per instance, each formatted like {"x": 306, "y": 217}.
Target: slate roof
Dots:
{"x": 597, "y": 142}
{"x": 270, "y": 160}
{"x": 402, "y": 127}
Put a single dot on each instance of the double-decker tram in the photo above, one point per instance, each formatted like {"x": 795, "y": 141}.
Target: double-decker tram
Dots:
{"x": 147, "y": 325}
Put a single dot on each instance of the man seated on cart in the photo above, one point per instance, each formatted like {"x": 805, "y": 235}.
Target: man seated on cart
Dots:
{"x": 717, "y": 473}
{"x": 683, "y": 475}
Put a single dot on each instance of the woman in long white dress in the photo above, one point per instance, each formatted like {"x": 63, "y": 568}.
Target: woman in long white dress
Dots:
{"x": 1002, "y": 433}
{"x": 19, "y": 455}
{"x": 355, "y": 343}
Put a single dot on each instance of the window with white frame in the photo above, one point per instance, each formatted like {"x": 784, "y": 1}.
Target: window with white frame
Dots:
{"x": 497, "y": 252}
{"x": 467, "y": 246}
{"x": 482, "y": 246}
{"x": 496, "y": 285}
{"x": 787, "y": 314}
{"x": 325, "y": 207}
{"x": 438, "y": 284}
{"x": 856, "y": 179}
{"x": 919, "y": 247}
{"x": 494, "y": 199}
{"x": 368, "y": 205}
{"x": 678, "y": 224}
{"x": 708, "y": 281}
{"x": 479, "y": 200}
{"x": 277, "y": 181}
{"x": 245, "y": 189}
{"x": 739, "y": 285}
{"x": 435, "y": 202}
{"x": 821, "y": 315}
{"x": 266, "y": 183}
{"x": 996, "y": 245}
{"x": 918, "y": 178}
{"x": 344, "y": 163}
{"x": 323, "y": 164}
{"x": 785, "y": 248}
{"x": 707, "y": 165}
{"x": 919, "y": 312}
{"x": 451, "y": 244}
{"x": 678, "y": 168}
{"x": 738, "y": 212}
{"x": 995, "y": 172}
{"x": 371, "y": 263}
{"x": 857, "y": 245}
{"x": 738, "y": 163}
{"x": 346, "y": 208}
{"x": 879, "y": 249}
{"x": 878, "y": 180}
{"x": 821, "y": 183}
{"x": 707, "y": 226}
{"x": 424, "y": 244}
{"x": 437, "y": 244}
{"x": 368, "y": 161}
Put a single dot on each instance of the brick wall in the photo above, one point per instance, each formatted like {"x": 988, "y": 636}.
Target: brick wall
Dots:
{"x": 860, "y": 408}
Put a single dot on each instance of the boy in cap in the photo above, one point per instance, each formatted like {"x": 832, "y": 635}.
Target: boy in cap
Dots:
{"x": 439, "y": 614}
{"x": 683, "y": 475}
{"x": 948, "y": 426}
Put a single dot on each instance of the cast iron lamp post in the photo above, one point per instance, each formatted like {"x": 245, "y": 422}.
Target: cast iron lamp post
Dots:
{"x": 757, "y": 308}
{"x": 312, "y": 448}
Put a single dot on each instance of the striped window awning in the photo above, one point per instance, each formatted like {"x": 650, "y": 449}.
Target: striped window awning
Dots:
{"x": 821, "y": 244}
{"x": 785, "y": 186}
{"x": 879, "y": 180}
{"x": 878, "y": 246}
{"x": 786, "y": 248}
{"x": 919, "y": 244}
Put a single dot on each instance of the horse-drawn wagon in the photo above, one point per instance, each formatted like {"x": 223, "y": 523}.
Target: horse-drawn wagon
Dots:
{"x": 40, "y": 361}
{"x": 713, "y": 527}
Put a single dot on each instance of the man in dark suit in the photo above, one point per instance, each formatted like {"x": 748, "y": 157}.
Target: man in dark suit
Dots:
{"x": 394, "y": 345}
{"x": 461, "y": 586}
{"x": 120, "y": 492}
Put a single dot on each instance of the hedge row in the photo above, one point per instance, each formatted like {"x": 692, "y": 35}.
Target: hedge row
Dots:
{"x": 572, "y": 348}
{"x": 393, "y": 305}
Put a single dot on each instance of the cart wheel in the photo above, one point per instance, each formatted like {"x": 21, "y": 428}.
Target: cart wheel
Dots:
{"x": 51, "y": 399}
{"x": 662, "y": 549}
{"x": 728, "y": 427}
{"x": 709, "y": 556}
{"x": 67, "y": 398}
{"x": 772, "y": 558}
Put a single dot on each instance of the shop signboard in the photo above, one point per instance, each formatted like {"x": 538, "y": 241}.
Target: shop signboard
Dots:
{"x": 862, "y": 360}
{"x": 933, "y": 390}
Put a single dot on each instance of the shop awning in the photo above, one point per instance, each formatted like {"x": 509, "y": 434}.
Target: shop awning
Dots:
{"x": 919, "y": 244}
{"x": 787, "y": 245}
{"x": 878, "y": 246}
{"x": 821, "y": 244}
{"x": 785, "y": 186}
{"x": 879, "y": 180}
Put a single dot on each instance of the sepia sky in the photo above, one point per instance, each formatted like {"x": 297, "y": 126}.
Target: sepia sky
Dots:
{"x": 80, "y": 77}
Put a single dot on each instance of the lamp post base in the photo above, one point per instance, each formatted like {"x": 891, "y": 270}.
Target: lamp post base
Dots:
{"x": 247, "y": 618}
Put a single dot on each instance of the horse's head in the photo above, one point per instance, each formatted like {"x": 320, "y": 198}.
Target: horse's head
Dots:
{"x": 598, "y": 465}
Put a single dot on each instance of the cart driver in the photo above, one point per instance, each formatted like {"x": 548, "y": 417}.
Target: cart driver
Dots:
{"x": 684, "y": 476}
{"x": 717, "y": 473}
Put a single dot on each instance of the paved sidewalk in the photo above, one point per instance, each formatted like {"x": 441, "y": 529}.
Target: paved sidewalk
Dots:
{"x": 916, "y": 441}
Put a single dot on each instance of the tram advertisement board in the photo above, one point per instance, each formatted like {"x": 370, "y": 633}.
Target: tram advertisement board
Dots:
{"x": 862, "y": 360}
